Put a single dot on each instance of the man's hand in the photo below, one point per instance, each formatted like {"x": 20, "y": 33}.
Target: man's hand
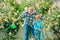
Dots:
{"x": 16, "y": 19}
{"x": 47, "y": 20}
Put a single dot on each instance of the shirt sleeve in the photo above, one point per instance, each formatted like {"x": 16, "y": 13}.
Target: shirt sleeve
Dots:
{"x": 42, "y": 17}
{"x": 23, "y": 15}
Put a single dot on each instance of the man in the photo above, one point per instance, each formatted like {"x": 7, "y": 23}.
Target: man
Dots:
{"x": 28, "y": 22}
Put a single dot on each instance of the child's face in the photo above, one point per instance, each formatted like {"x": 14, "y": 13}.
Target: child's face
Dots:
{"x": 37, "y": 17}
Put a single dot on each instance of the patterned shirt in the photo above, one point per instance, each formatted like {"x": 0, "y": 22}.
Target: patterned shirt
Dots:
{"x": 29, "y": 19}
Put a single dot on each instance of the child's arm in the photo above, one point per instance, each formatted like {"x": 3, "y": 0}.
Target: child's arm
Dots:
{"x": 43, "y": 30}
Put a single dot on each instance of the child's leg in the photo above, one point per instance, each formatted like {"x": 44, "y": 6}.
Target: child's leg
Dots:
{"x": 37, "y": 35}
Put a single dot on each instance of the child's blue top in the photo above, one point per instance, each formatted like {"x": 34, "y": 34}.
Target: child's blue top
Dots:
{"x": 38, "y": 25}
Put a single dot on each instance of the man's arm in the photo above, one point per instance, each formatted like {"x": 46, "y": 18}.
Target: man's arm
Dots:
{"x": 42, "y": 17}
{"x": 21, "y": 16}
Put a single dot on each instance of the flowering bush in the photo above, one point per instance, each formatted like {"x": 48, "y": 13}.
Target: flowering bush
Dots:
{"x": 13, "y": 8}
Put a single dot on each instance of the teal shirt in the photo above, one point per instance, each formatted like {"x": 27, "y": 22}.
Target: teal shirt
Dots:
{"x": 38, "y": 25}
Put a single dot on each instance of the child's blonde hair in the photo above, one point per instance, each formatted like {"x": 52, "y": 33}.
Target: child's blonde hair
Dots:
{"x": 37, "y": 17}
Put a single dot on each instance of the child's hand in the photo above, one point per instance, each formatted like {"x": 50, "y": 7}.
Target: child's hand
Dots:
{"x": 43, "y": 30}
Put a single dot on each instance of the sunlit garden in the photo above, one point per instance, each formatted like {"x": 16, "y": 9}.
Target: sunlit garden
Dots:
{"x": 10, "y": 10}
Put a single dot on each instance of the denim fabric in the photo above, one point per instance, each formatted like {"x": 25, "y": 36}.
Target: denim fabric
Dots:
{"x": 27, "y": 30}
{"x": 37, "y": 34}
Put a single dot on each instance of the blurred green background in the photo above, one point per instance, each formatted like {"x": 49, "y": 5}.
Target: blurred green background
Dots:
{"x": 13, "y": 8}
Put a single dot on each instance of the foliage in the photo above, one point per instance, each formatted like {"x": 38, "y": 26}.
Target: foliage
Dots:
{"x": 49, "y": 10}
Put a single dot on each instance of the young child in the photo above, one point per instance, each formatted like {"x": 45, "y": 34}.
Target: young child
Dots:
{"x": 38, "y": 27}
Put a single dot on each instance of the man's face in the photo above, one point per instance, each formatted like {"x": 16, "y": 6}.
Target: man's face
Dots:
{"x": 31, "y": 10}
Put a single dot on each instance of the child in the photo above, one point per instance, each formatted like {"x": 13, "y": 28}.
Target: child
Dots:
{"x": 38, "y": 26}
